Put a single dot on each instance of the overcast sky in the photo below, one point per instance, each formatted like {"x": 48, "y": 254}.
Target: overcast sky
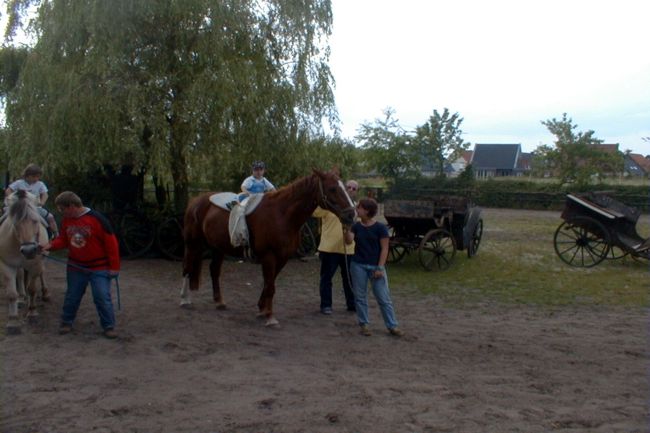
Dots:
{"x": 504, "y": 65}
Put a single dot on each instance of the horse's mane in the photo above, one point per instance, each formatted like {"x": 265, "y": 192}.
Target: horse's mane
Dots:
{"x": 298, "y": 187}
{"x": 21, "y": 206}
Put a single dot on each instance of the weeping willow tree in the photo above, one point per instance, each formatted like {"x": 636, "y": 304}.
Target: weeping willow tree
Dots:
{"x": 185, "y": 89}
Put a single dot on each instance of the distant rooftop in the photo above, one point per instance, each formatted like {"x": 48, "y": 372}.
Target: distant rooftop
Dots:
{"x": 496, "y": 156}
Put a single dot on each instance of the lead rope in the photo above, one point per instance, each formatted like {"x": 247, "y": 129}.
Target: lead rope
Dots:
{"x": 84, "y": 269}
{"x": 347, "y": 263}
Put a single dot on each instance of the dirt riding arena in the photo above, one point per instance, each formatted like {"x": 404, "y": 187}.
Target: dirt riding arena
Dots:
{"x": 482, "y": 369}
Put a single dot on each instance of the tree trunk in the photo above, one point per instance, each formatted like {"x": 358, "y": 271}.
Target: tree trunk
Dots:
{"x": 179, "y": 177}
{"x": 178, "y": 164}
{"x": 159, "y": 190}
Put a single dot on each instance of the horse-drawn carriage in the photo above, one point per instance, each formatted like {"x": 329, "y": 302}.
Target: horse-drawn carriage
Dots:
{"x": 436, "y": 227}
{"x": 597, "y": 227}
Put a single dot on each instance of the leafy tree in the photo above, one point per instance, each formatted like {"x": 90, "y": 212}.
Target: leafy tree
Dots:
{"x": 440, "y": 139}
{"x": 466, "y": 178}
{"x": 576, "y": 157}
{"x": 388, "y": 148}
{"x": 178, "y": 86}
{"x": 543, "y": 162}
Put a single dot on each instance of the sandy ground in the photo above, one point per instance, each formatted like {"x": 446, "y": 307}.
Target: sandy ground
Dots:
{"x": 482, "y": 369}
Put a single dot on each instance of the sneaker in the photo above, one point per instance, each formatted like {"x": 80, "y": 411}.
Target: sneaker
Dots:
{"x": 326, "y": 311}
{"x": 365, "y": 330}
{"x": 65, "y": 329}
{"x": 396, "y": 332}
{"x": 110, "y": 334}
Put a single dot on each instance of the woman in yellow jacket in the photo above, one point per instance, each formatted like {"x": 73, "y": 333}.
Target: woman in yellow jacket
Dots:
{"x": 334, "y": 254}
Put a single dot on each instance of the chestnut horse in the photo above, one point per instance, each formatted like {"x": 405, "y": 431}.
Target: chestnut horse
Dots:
{"x": 274, "y": 233}
{"x": 22, "y": 234}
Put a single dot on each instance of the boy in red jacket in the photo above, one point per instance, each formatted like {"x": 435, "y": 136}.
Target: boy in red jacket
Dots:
{"x": 93, "y": 257}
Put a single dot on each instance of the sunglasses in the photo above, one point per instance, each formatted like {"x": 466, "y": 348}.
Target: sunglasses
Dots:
{"x": 353, "y": 188}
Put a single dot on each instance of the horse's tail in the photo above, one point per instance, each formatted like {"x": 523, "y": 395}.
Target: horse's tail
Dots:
{"x": 194, "y": 238}
{"x": 192, "y": 221}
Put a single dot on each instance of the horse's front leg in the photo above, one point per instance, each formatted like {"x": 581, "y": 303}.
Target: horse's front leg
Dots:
{"x": 9, "y": 277}
{"x": 215, "y": 274}
{"x": 265, "y": 304}
{"x": 270, "y": 269}
{"x": 21, "y": 278}
{"x": 32, "y": 278}
{"x": 45, "y": 293}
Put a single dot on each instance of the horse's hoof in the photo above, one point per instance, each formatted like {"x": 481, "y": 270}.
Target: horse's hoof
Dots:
{"x": 13, "y": 329}
{"x": 187, "y": 305}
{"x": 272, "y": 322}
{"x": 46, "y": 298}
{"x": 221, "y": 306}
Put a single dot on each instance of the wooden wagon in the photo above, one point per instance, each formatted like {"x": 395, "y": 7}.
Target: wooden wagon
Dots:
{"x": 597, "y": 227}
{"x": 436, "y": 227}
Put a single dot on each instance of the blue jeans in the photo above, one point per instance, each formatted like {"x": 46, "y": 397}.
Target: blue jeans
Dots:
{"x": 329, "y": 263}
{"x": 100, "y": 283}
{"x": 361, "y": 274}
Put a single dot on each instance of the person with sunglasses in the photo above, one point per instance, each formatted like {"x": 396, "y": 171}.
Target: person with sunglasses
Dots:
{"x": 334, "y": 254}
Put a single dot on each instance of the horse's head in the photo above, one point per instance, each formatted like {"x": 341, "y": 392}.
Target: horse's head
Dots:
{"x": 26, "y": 222}
{"x": 334, "y": 197}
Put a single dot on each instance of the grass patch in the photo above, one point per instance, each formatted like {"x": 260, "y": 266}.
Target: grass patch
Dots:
{"x": 516, "y": 264}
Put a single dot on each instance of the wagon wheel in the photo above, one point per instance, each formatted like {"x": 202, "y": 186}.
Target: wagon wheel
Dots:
{"x": 308, "y": 245}
{"x": 475, "y": 240}
{"x": 437, "y": 250}
{"x": 581, "y": 242}
{"x": 615, "y": 253}
{"x": 396, "y": 253}
{"x": 135, "y": 234}
{"x": 169, "y": 237}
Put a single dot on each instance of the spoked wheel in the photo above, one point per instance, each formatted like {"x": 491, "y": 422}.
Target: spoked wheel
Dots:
{"x": 396, "y": 253}
{"x": 396, "y": 250}
{"x": 308, "y": 244}
{"x": 581, "y": 242}
{"x": 437, "y": 250}
{"x": 169, "y": 237}
{"x": 475, "y": 240}
{"x": 615, "y": 253}
{"x": 135, "y": 234}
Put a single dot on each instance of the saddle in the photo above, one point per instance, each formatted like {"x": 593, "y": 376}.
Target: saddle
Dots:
{"x": 237, "y": 227}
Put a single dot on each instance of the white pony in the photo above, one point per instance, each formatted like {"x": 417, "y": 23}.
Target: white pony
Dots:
{"x": 22, "y": 234}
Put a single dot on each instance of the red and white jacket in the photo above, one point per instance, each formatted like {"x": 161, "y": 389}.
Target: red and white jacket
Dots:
{"x": 90, "y": 241}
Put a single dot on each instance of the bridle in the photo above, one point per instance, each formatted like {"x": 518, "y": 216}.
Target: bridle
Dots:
{"x": 325, "y": 203}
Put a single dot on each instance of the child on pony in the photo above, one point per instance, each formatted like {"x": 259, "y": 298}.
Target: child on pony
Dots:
{"x": 31, "y": 182}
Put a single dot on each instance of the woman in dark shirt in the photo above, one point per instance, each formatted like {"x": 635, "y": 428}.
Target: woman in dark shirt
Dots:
{"x": 368, "y": 265}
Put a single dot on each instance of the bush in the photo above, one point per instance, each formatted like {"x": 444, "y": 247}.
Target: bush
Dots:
{"x": 514, "y": 193}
